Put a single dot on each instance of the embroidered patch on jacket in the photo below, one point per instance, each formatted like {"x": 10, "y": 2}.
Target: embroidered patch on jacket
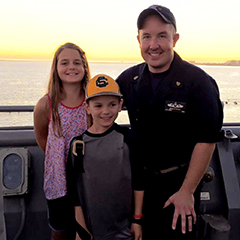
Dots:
{"x": 171, "y": 106}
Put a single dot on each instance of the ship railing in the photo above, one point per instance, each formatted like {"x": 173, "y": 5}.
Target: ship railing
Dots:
{"x": 30, "y": 108}
{"x": 17, "y": 108}
{"x": 24, "y": 109}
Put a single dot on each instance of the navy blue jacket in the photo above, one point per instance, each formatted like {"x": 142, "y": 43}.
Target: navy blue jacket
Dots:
{"x": 183, "y": 110}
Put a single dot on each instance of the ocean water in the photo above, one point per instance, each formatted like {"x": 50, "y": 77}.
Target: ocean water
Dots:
{"x": 23, "y": 83}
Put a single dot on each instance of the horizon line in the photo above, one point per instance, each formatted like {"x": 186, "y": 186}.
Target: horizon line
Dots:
{"x": 114, "y": 61}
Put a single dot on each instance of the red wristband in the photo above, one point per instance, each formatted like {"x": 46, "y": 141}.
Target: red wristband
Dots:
{"x": 135, "y": 216}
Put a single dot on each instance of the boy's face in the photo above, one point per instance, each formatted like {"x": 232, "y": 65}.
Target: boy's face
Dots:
{"x": 104, "y": 111}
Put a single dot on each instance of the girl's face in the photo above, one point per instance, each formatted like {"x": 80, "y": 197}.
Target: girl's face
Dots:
{"x": 104, "y": 111}
{"x": 70, "y": 66}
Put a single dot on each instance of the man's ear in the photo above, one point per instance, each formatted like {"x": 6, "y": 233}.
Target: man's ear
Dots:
{"x": 138, "y": 38}
{"x": 175, "y": 39}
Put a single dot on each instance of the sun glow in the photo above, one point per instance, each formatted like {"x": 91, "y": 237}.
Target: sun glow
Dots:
{"x": 106, "y": 30}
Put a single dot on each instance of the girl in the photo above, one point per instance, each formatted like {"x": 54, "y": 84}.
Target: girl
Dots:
{"x": 58, "y": 116}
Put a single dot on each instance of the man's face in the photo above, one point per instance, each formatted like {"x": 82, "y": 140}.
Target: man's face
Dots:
{"x": 157, "y": 40}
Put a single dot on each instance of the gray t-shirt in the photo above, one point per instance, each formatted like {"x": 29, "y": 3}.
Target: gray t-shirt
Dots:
{"x": 105, "y": 188}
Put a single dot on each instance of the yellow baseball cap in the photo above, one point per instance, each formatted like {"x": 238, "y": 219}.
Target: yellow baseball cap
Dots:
{"x": 102, "y": 85}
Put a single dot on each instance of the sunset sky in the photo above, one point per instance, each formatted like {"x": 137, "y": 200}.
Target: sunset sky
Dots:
{"x": 106, "y": 29}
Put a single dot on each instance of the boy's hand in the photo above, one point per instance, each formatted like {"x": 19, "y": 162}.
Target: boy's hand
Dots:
{"x": 136, "y": 230}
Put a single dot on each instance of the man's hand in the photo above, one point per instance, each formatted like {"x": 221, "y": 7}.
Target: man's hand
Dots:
{"x": 183, "y": 202}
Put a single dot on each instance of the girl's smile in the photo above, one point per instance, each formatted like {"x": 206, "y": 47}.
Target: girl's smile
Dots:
{"x": 70, "y": 67}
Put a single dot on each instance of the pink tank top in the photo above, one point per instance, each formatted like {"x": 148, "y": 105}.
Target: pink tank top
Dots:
{"x": 73, "y": 122}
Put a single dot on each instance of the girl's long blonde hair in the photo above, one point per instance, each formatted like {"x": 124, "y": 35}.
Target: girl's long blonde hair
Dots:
{"x": 55, "y": 87}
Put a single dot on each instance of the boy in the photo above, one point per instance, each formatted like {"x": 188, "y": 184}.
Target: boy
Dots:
{"x": 110, "y": 168}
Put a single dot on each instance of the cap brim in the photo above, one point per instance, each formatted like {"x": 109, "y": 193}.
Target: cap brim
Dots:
{"x": 104, "y": 94}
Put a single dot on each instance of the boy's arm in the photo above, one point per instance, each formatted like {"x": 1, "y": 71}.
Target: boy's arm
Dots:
{"x": 138, "y": 202}
{"x": 138, "y": 182}
{"x": 138, "y": 205}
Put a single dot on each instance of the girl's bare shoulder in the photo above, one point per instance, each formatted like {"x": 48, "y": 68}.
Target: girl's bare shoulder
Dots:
{"x": 42, "y": 106}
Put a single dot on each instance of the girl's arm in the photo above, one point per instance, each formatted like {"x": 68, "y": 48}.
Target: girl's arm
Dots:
{"x": 80, "y": 219}
{"x": 41, "y": 119}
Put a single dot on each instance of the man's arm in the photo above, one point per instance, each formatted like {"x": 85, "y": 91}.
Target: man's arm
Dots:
{"x": 183, "y": 200}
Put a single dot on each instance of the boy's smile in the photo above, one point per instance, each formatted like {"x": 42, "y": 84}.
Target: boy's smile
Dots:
{"x": 104, "y": 110}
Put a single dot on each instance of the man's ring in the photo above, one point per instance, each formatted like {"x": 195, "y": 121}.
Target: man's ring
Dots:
{"x": 189, "y": 215}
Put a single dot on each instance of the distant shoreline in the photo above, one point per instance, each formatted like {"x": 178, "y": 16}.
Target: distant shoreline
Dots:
{"x": 235, "y": 63}
{"x": 227, "y": 63}
{"x": 89, "y": 61}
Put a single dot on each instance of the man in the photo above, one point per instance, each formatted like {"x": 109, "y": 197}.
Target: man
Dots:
{"x": 175, "y": 108}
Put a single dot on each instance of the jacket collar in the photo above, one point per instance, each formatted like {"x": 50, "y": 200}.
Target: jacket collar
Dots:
{"x": 143, "y": 88}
